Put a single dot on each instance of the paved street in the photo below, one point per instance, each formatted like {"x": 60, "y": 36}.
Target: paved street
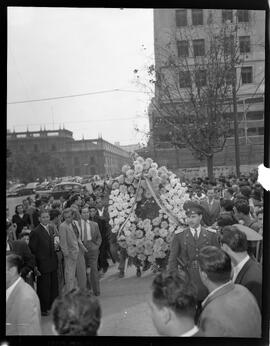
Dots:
{"x": 124, "y": 305}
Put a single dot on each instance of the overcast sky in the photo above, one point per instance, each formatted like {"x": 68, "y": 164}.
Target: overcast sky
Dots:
{"x": 56, "y": 52}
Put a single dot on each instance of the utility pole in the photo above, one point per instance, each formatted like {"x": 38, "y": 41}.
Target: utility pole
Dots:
{"x": 236, "y": 134}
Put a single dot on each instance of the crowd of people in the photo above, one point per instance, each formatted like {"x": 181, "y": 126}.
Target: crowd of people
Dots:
{"x": 213, "y": 277}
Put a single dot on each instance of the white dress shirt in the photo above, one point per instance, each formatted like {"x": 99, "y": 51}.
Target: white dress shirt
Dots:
{"x": 11, "y": 288}
{"x": 191, "y": 332}
{"x": 198, "y": 231}
{"x": 238, "y": 267}
{"x": 214, "y": 291}
{"x": 100, "y": 212}
{"x": 88, "y": 229}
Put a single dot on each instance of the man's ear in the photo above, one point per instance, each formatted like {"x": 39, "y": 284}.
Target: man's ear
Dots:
{"x": 166, "y": 315}
{"x": 54, "y": 330}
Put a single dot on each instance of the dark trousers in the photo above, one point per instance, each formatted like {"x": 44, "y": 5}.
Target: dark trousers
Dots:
{"x": 103, "y": 255}
{"x": 47, "y": 289}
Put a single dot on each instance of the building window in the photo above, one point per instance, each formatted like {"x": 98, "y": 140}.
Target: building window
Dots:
{"x": 198, "y": 47}
{"x": 252, "y": 131}
{"x": 243, "y": 16}
{"x": 227, "y": 15}
{"x": 182, "y": 48}
{"x": 261, "y": 131}
{"x": 246, "y": 75}
{"x": 197, "y": 17}
{"x": 255, "y": 116}
{"x": 53, "y": 147}
{"x": 184, "y": 79}
{"x": 92, "y": 160}
{"x": 244, "y": 43}
{"x": 200, "y": 78}
{"x": 35, "y": 148}
{"x": 181, "y": 17}
{"x": 228, "y": 45}
{"x": 76, "y": 160}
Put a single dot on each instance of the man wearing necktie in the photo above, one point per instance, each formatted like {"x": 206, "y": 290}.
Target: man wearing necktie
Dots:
{"x": 186, "y": 245}
{"x": 41, "y": 245}
{"x": 91, "y": 239}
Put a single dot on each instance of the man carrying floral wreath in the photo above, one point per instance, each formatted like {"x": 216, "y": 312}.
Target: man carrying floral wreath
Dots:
{"x": 186, "y": 245}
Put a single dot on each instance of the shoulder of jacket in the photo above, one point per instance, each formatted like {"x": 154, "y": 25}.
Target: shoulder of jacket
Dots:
{"x": 211, "y": 230}
{"x": 180, "y": 230}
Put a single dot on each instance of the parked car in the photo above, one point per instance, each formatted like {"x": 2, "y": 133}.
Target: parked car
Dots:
{"x": 65, "y": 189}
{"x": 13, "y": 190}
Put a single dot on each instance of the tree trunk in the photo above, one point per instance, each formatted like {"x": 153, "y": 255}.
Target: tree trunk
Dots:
{"x": 210, "y": 167}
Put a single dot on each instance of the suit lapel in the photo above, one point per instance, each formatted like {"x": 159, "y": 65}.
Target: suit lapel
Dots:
{"x": 202, "y": 236}
{"x": 190, "y": 239}
{"x": 243, "y": 272}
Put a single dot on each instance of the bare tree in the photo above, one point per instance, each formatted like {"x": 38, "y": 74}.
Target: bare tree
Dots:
{"x": 194, "y": 87}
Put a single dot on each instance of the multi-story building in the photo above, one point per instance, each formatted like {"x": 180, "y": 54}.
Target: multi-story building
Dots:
{"x": 169, "y": 26}
{"x": 81, "y": 157}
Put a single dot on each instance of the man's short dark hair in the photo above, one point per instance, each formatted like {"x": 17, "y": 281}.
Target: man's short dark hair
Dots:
{"x": 242, "y": 206}
{"x": 24, "y": 233}
{"x": 14, "y": 260}
{"x": 230, "y": 191}
{"x": 75, "y": 198}
{"x": 227, "y": 204}
{"x": 54, "y": 213}
{"x": 235, "y": 239}
{"x": 215, "y": 263}
{"x": 77, "y": 312}
{"x": 226, "y": 220}
{"x": 175, "y": 292}
{"x": 246, "y": 191}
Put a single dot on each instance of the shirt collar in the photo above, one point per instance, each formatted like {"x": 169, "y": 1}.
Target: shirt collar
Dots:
{"x": 199, "y": 228}
{"x": 214, "y": 291}
{"x": 191, "y": 332}
{"x": 239, "y": 266}
{"x": 11, "y": 288}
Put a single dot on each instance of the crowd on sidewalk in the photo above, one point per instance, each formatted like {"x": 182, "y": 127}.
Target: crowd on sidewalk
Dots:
{"x": 57, "y": 250}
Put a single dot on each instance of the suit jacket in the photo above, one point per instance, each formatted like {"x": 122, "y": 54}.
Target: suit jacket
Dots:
{"x": 250, "y": 276}
{"x": 184, "y": 250}
{"x": 232, "y": 311}
{"x": 68, "y": 241}
{"x": 42, "y": 246}
{"x": 210, "y": 215}
{"x": 96, "y": 240}
{"x": 23, "y": 311}
{"x": 19, "y": 247}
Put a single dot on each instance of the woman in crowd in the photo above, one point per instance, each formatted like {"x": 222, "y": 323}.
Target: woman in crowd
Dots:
{"x": 21, "y": 219}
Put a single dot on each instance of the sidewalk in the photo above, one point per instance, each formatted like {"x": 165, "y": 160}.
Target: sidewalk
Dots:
{"x": 125, "y": 311}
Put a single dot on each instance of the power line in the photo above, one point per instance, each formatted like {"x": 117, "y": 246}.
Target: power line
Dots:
{"x": 76, "y": 95}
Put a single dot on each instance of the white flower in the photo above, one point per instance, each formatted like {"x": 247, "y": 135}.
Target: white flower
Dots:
{"x": 138, "y": 168}
{"x": 154, "y": 165}
{"x": 163, "y": 232}
{"x": 125, "y": 168}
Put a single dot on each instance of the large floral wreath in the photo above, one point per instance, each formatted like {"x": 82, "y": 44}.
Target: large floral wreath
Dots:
{"x": 146, "y": 207}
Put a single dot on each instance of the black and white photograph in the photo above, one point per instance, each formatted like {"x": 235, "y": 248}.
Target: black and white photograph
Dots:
{"x": 133, "y": 140}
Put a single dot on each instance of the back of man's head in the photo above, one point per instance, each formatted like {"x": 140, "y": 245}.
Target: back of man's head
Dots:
{"x": 77, "y": 312}
{"x": 216, "y": 264}
{"x": 13, "y": 260}
{"x": 234, "y": 238}
{"x": 227, "y": 204}
{"x": 174, "y": 292}
{"x": 242, "y": 206}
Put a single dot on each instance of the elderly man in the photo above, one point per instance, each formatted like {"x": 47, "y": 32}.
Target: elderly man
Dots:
{"x": 229, "y": 310}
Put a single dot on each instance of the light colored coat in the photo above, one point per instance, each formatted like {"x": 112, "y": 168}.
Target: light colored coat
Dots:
{"x": 232, "y": 311}
{"x": 23, "y": 311}
{"x": 68, "y": 241}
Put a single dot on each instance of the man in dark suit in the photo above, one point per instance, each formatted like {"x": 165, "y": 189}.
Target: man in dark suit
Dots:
{"x": 247, "y": 272}
{"x": 186, "y": 245}
{"x": 230, "y": 310}
{"x": 211, "y": 208}
{"x": 104, "y": 247}
{"x": 91, "y": 239}
{"x": 42, "y": 246}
